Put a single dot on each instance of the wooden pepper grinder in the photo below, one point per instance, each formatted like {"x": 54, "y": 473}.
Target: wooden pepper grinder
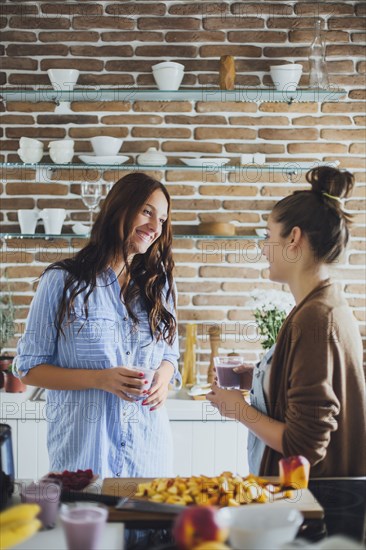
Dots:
{"x": 215, "y": 339}
{"x": 227, "y": 72}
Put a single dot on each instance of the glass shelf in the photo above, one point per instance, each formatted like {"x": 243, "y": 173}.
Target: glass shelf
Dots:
{"x": 289, "y": 168}
{"x": 93, "y": 94}
{"x": 69, "y": 236}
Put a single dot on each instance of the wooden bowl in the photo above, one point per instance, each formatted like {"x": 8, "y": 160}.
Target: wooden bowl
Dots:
{"x": 216, "y": 228}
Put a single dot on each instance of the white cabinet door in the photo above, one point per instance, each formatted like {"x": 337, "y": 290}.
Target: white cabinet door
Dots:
{"x": 209, "y": 448}
{"x": 32, "y": 449}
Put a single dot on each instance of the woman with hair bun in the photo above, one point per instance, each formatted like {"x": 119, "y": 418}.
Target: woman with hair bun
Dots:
{"x": 308, "y": 396}
{"x": 95, "y": 316}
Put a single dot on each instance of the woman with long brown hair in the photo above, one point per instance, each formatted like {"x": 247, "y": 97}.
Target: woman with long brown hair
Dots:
{"x": 308, "y": 396}
{"x": 95, "y": 316}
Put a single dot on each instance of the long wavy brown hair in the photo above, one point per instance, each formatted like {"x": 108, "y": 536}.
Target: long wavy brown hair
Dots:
{"x": 146, "y": 276}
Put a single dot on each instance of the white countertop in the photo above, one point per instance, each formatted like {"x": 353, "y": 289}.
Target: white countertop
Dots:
{"x": 180, "y": 407}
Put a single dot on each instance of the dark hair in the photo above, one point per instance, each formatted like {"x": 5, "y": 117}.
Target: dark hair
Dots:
{"x": 320, "y": 216}
{"x": 146, "y": 276}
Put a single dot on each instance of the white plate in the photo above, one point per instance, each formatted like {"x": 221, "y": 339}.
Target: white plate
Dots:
{"x": 112, "y": 159}
{"x": 204, "y": 161}
{"x": 261, "y": 232}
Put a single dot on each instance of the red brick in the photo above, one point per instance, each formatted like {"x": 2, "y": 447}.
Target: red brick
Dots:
{"x": 187, "y": 120}
{"x": 224, "y": 133}
{"x": 284, "y": 134}
{"x": 307, "y": 35}
{"x": 37, "y": 133}
{"x": 34, "y": 50}
{"x": 158, "y": 23}
{"x": 164, "y": 106}
{"x": 242, "y": 9}
{"x": 316, "y": 9}
{"x": 289, "y": 22}
{"x": 102, "y": 51}
{"x": 17, "y": 119}
{"x": 286, "y": 53}
{"x": 256, "y": 36}
{"x": 316, "y": 147}
{"x": 17, "y": 36}
{"x": 165, "y": 51}
{"x": 267, "y": 148}
{"x": 203, "y": 9}
{"x": 112, "y": 79}
{"x": 358, "y": 37}
{"x": 195, "y": 36}
{"x": 97, "y": 131}
{"x": 341, "y": 135}
{"x": 322, "y": 121}
{"x": 157, "y": 132}
{"x": 66, "y": 119}
{"x": 103, "y": 22}
{"x": 345, "y": 50}
{"x": 357, "y": 94}
{"x": 240, "y": 51}
{"x": 131, "y": 119}
{"x": 72, "y": 63}
{"x": 130, "y": 36}
{"x": 343, "y": 107}
{"x": 346, "y": 23}
{"x": 215, "y": 106}
{"x": 68, "y": 36}
{"x": 219, "y": 23}
{"x": 136, "y": 8}
{"x": 19, "y": 63}
{"x": 24, "y": 188}
{"x": 259, "y": 121}
{"x": 40, "y": 22}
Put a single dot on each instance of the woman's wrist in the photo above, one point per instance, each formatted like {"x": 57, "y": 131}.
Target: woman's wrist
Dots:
{"x": 166, "y": 369}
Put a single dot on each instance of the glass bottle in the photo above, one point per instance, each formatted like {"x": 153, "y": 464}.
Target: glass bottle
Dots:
{"x": 318, "y": 71}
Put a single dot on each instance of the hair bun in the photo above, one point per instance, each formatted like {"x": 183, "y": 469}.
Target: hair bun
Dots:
{"x": 329, "y": 180}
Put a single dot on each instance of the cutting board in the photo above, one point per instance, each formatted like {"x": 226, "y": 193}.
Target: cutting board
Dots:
{"x": 302, "y": 500}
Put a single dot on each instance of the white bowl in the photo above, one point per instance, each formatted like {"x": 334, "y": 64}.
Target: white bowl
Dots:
{"x": 26, "y": 142}
{"x": 63, "y": 79}
{"x": 106, "y": 145}
{"x": 261, "y": 526}
{"x": 29, "y": 155}
{"x": 261, "y": 232}
{"x": 286, "y": 77}
{"x": 168, "y": 65}
{"x": 168, "y": 78}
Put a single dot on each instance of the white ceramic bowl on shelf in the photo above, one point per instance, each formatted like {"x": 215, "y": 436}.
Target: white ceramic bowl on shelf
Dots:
{"x": 286, "y": 77}
{"x": 63, "y": 79}
{"x": 104, "y": 146}
{"x": 261, "y": 526}
{"x": 168, "y": 75}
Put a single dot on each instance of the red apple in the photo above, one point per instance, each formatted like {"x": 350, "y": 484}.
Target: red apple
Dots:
{"x": 198, "y": 524}
{"x": 294, "y": 472}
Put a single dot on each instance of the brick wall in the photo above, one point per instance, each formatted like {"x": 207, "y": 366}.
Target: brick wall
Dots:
{"x": 116, "y": 43}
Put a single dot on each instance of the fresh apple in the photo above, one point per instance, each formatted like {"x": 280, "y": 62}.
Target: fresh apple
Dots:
{"x": 211, "y": 545}
{"x": 196, "y": 525}
{"x": 294, "y": 472}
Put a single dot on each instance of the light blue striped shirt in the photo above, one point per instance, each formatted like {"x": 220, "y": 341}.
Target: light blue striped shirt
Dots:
{"x": 93, "y": 428}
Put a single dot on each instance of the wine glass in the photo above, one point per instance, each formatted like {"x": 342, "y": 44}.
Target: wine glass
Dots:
{"x": 91, "y": 193}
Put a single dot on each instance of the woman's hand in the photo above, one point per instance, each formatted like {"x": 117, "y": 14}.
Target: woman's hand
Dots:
{"x": 159, "y": 388}
{"x": 122, "y": 380}
{"x": 246, "y": 375}
{"x": 230, "y": 403}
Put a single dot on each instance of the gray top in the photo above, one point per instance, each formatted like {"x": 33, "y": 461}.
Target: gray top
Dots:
{"x": 258, "y": 400}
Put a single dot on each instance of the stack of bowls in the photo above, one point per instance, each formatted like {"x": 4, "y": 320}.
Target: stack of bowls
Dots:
{"x": 61, "y": 151}
{"x": 30, "y": 150}
{"x": 168, "y": 75}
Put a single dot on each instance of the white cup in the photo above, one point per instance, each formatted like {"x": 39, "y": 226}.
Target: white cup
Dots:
{"x": 53, "y": 219}
{"x": 28, "y": 154}
{"x": 259, "y": 158}
{"x": 28, "y": 221}
{"x": 246, "y": 158}
{"x": 30, "y": 142}
{"x": 62, "y": 144}
{"x": 61, "y": 157}
{"x": 286, "y": 77}
{"x": 63, "y": 79}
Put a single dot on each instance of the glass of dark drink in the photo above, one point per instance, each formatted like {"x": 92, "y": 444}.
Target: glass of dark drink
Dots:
{"x": 224, "y": 366}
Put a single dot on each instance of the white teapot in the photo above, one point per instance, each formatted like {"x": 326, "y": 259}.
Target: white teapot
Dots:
{"x": 152, "y": 157}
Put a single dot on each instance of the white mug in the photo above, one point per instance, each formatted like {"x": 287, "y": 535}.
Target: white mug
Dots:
{"x": 28, "y": 221}
{"x": 53, "y": 219}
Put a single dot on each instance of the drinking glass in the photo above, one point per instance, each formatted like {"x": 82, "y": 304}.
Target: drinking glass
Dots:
{"x": 91, "y": 193}
{"x": 224, "y": 366}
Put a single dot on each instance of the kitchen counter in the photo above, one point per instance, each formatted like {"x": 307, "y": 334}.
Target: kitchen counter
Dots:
{"x": 203, "y": 441}
{"x": 180, "y": 406}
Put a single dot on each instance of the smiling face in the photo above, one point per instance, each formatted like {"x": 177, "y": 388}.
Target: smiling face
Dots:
{"x": 148, "y": 223}
{"x": 275, "y": 249}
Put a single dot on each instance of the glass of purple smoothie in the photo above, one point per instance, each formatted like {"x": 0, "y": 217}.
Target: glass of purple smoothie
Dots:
{"x": 83, "y": 524}
{"x": 46, "y": 493}
{"x": 224, "y": 365}
{"x": 148, "y": 375}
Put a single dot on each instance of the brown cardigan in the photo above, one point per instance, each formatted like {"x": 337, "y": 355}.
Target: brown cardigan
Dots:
{"x": 317, "y": 387}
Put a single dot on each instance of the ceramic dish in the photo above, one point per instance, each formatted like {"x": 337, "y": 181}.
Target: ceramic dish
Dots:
{"x": 261, "y": 232}
{"x": 204, "y": 161}
{"x": 80, "y": 229}
{"x": 110, "y": 159}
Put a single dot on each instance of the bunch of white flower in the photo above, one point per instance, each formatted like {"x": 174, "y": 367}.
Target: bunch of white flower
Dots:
{"x": 271, "y": 308}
